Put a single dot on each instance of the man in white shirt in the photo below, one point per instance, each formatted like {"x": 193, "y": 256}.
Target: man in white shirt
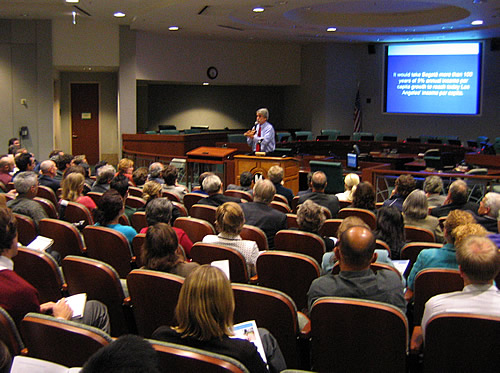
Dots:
{"x": 261, "y": 137}
{"x": 479, "y": 263}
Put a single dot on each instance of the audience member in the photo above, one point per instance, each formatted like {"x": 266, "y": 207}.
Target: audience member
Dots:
{"x": 63, "y": 161}
{"x": 160, "y": 210}
{"x": 204, "y": 314}
{"x": 48, "y": 172}
{"x": 105, "y": 174}
{"x": 170, "y": 182}
{"x": 456, "y": 199}
{"x": 126, "y": 167}
{"x": 405, "y": 184}
{"x": 79, "y": 159}
{"x": 364, "y": 197}
{"x": 260, "y": 214}
{"x": 487, "y": 214}
{"x": 72, "y": 190}
{"x": 120, "y": 184}
{"x": 310, "y": 218}
{"x": 229, "y": 221}
{"x": 391, "y": 229}
{"x": 24, "y": 162}
{"x": 416, "y": 214}
{"x": 246, "y": 180}
{"x": 308, "y": 190}
{"x": 155, "y": 172}
{"x": 433, "y": 188}
{"x": 318, "y": 195}
{"x": 26, "y": 184}
{"x": 150, "y": 191}
{"x": 200, "y": 182}
{"x": 160, "y": 251}
{"x": 479, "y": 263}
{"x": 329, "y": 258}
{"x": 14, "y": 141}
{"x": 18, "y": 297}
{"x": 355, "y": 253}
{"x": 275, "y": 174}
{"x": 212, "y": 185}
{"x": 108, "y": 213}
{"x": 350, "y": 183}
{"x": 140, "y": 176}
{"x": 443, "y": 257}
{"x": 128, "y": 354}
{"x": 6, "y": 168}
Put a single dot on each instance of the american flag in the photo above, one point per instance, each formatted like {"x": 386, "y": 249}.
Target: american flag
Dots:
{"x": 357, "y": 113}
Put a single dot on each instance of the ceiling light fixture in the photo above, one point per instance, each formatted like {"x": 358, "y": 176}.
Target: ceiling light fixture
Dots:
{"x": 119, "y": 14}
{"x": 173, "y": 28}
{"x": 477, "y": 22}
{"x": 258, "y": 9}
{"x": 73, "y": 1}
{"x": 331, "y": 29}
{"x": 205, "y": 83}
{"x": 74, "y": 17}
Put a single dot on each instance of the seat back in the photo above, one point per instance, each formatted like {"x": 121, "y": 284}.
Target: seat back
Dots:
{"x": 196, "y": 229}
{"x": 203, "y": 212}
{"x": 241, "y": 194}
{"x": 332, "y": 134}
{"x": 251, "y": 233}
{"x": 9, "y": 334}
{"x": 138, "y": 220}
{"x": 42, "y": 272}
{"x": 134, "y": 191}
{"x": 96, "y": 197}
{"x": 334, "y": 175}
{"x": 300, "y": 242}
{"x": 109, "y": 246}
{"x": 181, "y": 208}
{"x": 344, "y": 204}
{"x": 366, "y": 215}
{"x": 281, "y": 207}
{"x": 411, "y": 250}
{"x": 67, "y": 239}
{"x": 203, "y": 253}
{"x": 153, "y": 296}
{"x": 305, "y": 135}
{"x": 101, "y": 282}
{"x": 47, "y": 193}
{"x": 342, "y": 327}
{"x": 375, "y": 266}
{"x": 286, "y": 279}
{"x": 178, "y": 358}
{"x": 76, "y": 212}
{"x": 26, "y": 230}
{"x": 434, "y": 281}
{"x": 48, "y": 207}
{"x": 135, "y": 202}
{"x": 416, "y": 234}
{"x": 191, "y": 198}
{"x": 273, "y": 310}
{"x": 170, "y": 196}
{"x": 123, "y": 220}
{"x": 61, "y": 341}
{"x": 295, "y": 202}
{"x": 280, "y": 198}
{"x": 381, "y": 245}
{"x": 137, "y": 243}
{"x": 458, "y": 342}
{"x": 330, "y": 227}
{"x": 291, "y": 221}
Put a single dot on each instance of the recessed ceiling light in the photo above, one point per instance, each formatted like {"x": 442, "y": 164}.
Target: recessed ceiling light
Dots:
{"x": 477, "y": 22}
{"x": 173, "y": 28}
{"x": 119, "y": 14}
{"x": 73, "y": 1}
{"x": 258, "y": 9}
{"x": 205, "y": 83}
{"x": 331, "y": 29}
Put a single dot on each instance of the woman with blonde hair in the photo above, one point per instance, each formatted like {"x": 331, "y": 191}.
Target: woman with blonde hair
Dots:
{"x": 126, "y": 167}
{"x": 204, "y": 314}
{"x": 72, "y": 190}
{"x": 150, "y": 191}
{"x": 229, "y": 221}
{"x": 350, "y": 183}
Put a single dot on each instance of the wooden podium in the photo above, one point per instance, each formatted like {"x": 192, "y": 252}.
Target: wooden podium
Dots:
{"x": 216, "y": 160}
{"x": 260, "y": 165}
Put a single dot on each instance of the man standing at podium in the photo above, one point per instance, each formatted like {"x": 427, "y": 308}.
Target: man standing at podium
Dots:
{"x": 261, "y": 136}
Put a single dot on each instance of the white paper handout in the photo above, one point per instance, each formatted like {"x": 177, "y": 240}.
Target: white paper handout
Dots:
{"x": 248, "y": 330}
{"x": 223, "y": 265}
{"x": 77, "y": 303}
{"x": 40, "y": 243}
{"x": 25, "y": 364}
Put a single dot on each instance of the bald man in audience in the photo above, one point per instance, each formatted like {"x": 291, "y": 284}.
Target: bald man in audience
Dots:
{"x": 318, "y": 195}
{"x": 479, "y": 263}
{"x": 355, "y": 253}
{"x": 6, "y": 167}
{"x": 213, "y": 186}
{"x": 48, "y": 171}
{"x": 455, "y": 200}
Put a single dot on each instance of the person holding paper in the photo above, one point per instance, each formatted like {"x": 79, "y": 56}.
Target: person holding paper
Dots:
{"x": 204, "y": 314}
{"x": 18, "y": 297}
{"x": 261, "y": 136}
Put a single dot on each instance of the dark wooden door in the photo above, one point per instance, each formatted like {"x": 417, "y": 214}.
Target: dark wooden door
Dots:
{"x": 85, "y": 120}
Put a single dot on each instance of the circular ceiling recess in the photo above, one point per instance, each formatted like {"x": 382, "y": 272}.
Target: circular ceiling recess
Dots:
{"x": 383, "y": 13}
